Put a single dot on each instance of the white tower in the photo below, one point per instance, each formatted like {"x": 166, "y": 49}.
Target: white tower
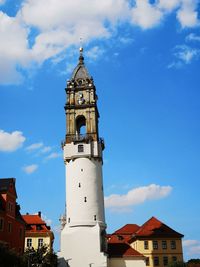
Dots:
{"x": 83, "y": 239}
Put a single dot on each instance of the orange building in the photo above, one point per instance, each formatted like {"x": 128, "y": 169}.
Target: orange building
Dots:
{"x": 37, "y": 232}
{"x": 12, "y": 226}
{"x": 158, "y": 243}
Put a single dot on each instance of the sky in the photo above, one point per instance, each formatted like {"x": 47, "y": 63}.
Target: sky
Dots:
{"x": 144, "y": 57}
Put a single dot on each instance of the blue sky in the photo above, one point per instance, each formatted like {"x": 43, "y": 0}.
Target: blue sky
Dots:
{"x": 145, "y": 60}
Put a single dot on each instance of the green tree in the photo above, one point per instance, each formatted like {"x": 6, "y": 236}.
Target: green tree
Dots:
{"x": 41, "y": 257}
{"x": 177, "y": 264}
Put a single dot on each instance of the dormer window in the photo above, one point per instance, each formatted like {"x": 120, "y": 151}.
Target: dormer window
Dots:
{"x": 38, "y": 227}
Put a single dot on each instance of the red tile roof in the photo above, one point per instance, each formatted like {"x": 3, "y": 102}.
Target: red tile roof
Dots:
{"x": 33, "y": 219}
{"x": 122, "y": 250}
{"x": 35, "y": 224}
{"x": 155, "y": 228}
{"x": 128, "y": 229}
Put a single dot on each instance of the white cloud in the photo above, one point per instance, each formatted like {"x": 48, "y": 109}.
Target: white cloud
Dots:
{"x": 192, "y": 247}
{"x": 186, "y": 53}
{"x": 30, "y": 168}
{"x": 11, "y": 141}
{"x": 146, "y": 15}
{"x": 46, "y": 149}
{"x": 53, "y": 155}
{"x": 189, "y": 243}
{"x": 168, "y": 5}
{"x": 37, "y": 39}
{"x": 193, "y": 37}
{"x": 46, "y": 219}
{"x": 187, "y": 14}
{"x": 95, "y": 52}
{"x": 137, "y": 196}
{"x": 2, "y": 2}
{"x": 34, "y": 146}
{"x": 12, "y": 33}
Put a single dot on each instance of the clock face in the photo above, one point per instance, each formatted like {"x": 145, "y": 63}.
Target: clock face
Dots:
{"x": 81, "y": 99}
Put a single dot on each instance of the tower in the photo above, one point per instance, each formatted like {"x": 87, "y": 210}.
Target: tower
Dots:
{"x": 83, "y": 240}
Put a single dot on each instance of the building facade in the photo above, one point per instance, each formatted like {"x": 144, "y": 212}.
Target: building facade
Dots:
{"x": 156, "y": 241}
{"x": 83, "y": 238}
{"x": 38, "y": 233}
{"x": 12, "y": 226}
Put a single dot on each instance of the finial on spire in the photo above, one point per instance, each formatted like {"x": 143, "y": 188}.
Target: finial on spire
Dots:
{"x": 81, "y": 58}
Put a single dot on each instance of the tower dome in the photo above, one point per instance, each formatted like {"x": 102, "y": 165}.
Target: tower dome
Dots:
{"x": 80, "y": 73}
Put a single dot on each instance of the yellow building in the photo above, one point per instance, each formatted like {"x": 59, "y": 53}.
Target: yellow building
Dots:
{"x": 156, "y": 241}
{"x": 37, "y": 232}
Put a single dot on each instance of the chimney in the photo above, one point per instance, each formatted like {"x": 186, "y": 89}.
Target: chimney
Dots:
{"x": 39, "y": 214}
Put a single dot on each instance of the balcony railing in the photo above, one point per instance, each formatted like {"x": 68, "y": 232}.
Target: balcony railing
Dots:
{"x": 82, "y": 138}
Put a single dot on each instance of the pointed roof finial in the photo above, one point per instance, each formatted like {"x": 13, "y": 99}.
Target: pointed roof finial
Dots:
{"x": 81, "y": 58}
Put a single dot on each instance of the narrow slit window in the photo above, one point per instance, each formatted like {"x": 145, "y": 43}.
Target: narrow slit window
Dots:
{"x": 80, "y": 148}
{"x": 68, "y": 220}
{"x": 85, "y": 199}
{"x": 95, "y": 217}
{"x": 79, "y": 185}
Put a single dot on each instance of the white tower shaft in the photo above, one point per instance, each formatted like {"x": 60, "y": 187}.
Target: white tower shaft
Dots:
{"x": 83, "y": 239}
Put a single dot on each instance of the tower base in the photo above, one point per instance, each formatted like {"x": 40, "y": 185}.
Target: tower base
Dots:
{"x": 81, "y": 246}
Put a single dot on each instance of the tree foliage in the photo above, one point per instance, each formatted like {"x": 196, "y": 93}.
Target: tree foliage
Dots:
{"x": 41, "y": 257}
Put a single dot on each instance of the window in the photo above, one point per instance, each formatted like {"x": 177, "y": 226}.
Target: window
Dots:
{"x": 95, "y": 217}
{"x": 38, "y": 227}
{"x": 40, "y": 242}
{"x": 147, "y": 261}
{"x": 164, "y": 244}
{"x": 85, "y": 199}
{"x": 10, "y": 206}
{"x": 29, "y": 242}
{"x": 156, "y": 261}
{"x": 173, "y": 244}
{"x": 146, "y": 244}
{"x": 155, "y": 244}
{"x": 79, "y": 185}
{"x": 1, "y": 224}
{"x": 174, "y": 258}
{"x": 9, "y": 227}
{"x": 68, "y": 220}
{"x": 165, "y": 260}
{"x": 120, "y": 237}
{"x": 82, "y": 170}
{"x": 80, "y": 148}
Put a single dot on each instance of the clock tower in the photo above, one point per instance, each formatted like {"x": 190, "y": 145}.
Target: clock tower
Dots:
{"x": 83, "y": 237}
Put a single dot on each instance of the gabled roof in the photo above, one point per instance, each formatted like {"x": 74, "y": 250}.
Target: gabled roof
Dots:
{"x": 35, "y": 224}
{"x": 7, "y": 184}
{"x": 122, "y": 250}
{"x": 33, "y": 219}
{"x": 128, "y": 229}
{"x": 155, "y": 228}
{"x": 152, "y": 228}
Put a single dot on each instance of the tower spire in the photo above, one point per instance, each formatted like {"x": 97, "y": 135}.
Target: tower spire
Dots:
{"x": 81, "y": 58}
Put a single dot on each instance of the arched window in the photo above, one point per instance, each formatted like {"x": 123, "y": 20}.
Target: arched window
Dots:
{"x": 81, "y": 125}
